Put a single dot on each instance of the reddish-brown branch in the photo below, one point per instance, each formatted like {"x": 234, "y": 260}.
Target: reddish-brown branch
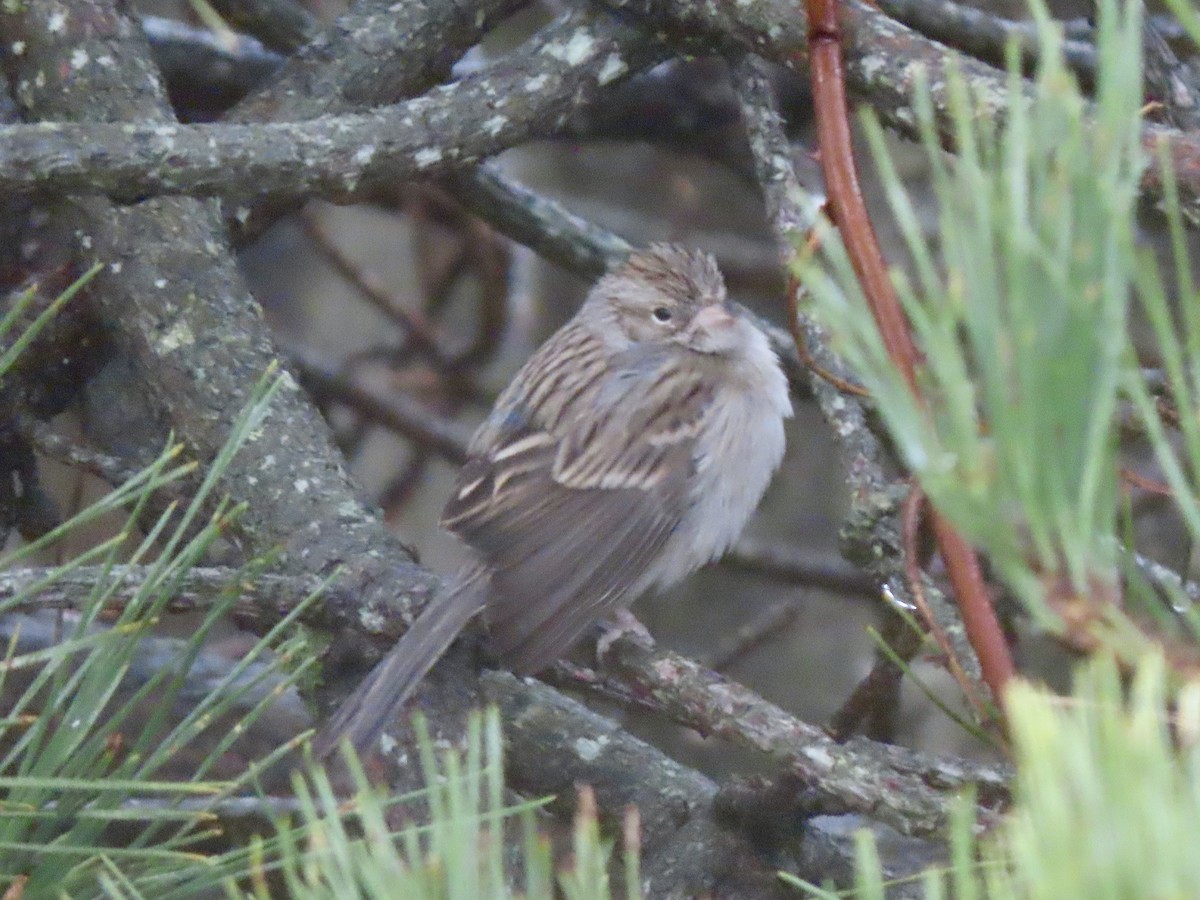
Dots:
{"x": 806, "y": 358}
{"x": 845, "y": 202}
{"x": 979, "y": 617}
{"x": 371, "y": 287}
{"x": 910, "y": 526}
{"x": 1149, "y": 485}
{"x": 849, "y": 213}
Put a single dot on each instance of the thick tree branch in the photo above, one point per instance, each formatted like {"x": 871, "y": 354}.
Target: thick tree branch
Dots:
{"x": 431, "y": 135}
{"x": 523, "y": 97}
{"x": 173, "y": 292}
{"x": 488, "y": 112}
{"x": 266, "y": 598}
{"x": 906, "y": 790}
{"x": 565, "y": 744}
{"x": 540, "y": 224}
{"x": 985, "y": 36}
{"x": 376, "y": 54}
{"x": 885, "y": 64}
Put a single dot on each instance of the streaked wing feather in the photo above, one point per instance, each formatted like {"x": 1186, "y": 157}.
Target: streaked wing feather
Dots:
{"x": 569, "y": 509}
{"x": 574, "y": 560}
{"x": 655, "y": 408}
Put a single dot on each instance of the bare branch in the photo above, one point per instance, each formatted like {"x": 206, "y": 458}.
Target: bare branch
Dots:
{"x": 266, "y": 598}
{"x": 787, "y": 563}
{"x": 882, "y": 61}
{"x": 540, "y": 224}
{"x": 985, "y": 36}
{"x": 397, "y": 412}
{"x": 377, "y": 53}
{"x": 905, "y": 789}
{"x": 525, "y": 96}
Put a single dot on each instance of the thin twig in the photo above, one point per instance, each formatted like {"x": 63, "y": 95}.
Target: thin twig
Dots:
{"x": 749, "y": 637}
{"x": 1149, "y": 485}
{"x": 876, "y": 698}
{"x": 785, "y": 562}
{"x": 911, "y": 521}
{"x": 397, "y": 412}
{"x": 371, "y": 287}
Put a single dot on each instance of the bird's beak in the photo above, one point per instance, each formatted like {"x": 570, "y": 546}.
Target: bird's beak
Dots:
{"x": 714, "y": 318}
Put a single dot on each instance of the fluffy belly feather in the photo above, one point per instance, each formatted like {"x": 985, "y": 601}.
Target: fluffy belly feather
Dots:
{"x": 747, "y": 430}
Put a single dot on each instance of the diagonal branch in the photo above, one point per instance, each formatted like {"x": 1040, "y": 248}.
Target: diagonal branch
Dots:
{"x": 892, "y": 784}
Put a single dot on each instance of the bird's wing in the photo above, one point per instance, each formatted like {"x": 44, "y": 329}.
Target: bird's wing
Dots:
{"x": 568, "y": 508}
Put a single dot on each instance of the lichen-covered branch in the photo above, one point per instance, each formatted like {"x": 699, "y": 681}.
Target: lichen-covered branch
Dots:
{"x": 173, "y": 293}
{"x": 459, "y": 124}
{"x": 914, "y": 793}
{"x": 264, "y": 599}
{"x": 885, "y": 63}
{"x": 377, "y": 53}
{"x": 523, "y": 97}
{"x": 540, "y": 224}
{"x": 984, "y": 35}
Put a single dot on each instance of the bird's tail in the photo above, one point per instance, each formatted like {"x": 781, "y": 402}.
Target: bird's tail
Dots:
{"x": 373, "y": 704}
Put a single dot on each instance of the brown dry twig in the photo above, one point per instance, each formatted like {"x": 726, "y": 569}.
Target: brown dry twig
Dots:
{"x": 372, "y": 288}
{"x": 749, "y": 637}
{"x": 875, "y": 700}
{"x": 1141, "y": 482}
{"x": 397, "y": 412}
{"x": 795, "y": 298}
{"x": 911, "y": 521}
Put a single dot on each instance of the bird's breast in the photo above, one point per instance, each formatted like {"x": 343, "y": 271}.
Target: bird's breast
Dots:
{"x": 738, "y": 450}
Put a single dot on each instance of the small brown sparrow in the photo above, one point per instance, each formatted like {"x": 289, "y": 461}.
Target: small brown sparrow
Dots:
{"x": 626, "y": 453}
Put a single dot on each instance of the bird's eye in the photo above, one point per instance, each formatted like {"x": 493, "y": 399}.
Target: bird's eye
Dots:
{"x": 662, "y": 314}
